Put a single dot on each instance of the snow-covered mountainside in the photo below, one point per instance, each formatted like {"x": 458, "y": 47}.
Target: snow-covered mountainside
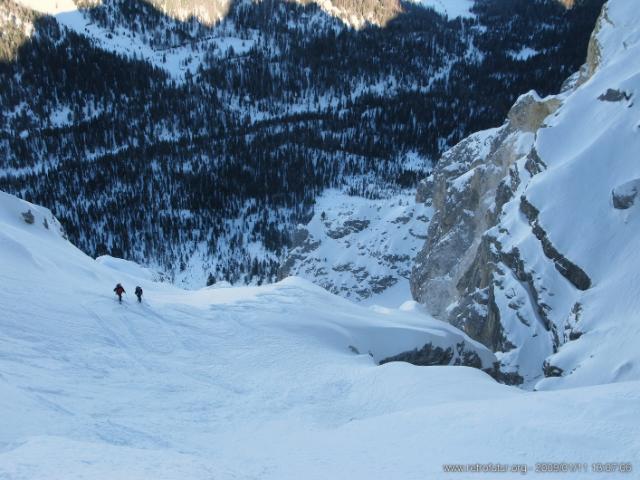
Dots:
{"x": 360, "y": 248}
{"x": 210, "y": 12}
{"x": 532, "y": 248}
{"x": 275, "y": 382}
{"x": 197, "y": 147}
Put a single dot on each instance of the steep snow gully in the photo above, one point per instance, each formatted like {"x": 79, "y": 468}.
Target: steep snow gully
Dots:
{"x": 272, "y": 382}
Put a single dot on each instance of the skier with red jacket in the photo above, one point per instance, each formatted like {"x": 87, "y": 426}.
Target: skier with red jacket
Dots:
{"x": 119, "y": 291}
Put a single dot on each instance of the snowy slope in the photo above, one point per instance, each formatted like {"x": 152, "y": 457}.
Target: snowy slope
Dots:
{"x": 588, "y": 149}
{"x": 250, "y": 383}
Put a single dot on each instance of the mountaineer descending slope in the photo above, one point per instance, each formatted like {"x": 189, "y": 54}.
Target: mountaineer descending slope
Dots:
{"x": 119, "y": 291}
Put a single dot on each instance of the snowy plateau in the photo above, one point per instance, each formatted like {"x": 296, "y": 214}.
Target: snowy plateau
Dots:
{"x": 520, "y": 252}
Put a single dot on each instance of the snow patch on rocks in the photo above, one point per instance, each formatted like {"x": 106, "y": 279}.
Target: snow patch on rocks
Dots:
{"x": 360, "y": 248}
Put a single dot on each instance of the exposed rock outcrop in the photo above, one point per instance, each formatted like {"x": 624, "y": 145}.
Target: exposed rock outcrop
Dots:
{"x": 625, "y": 195}
{"x": 594, "y": 50}
{"x": 613, "y": 95}
{"x": 347, "y": 228}
{"x": 435, "y": 355}
{"x": 466, "y": 190}
{"x": 466, "y": 273}
{"x": 459, "y": 354}
{"x": 357, "y": 247}
{"x": 568, "y": 269}
{"x": 551, "y": 370}
{"x": 530, "y": 111}
{"x": 209, "y": 12}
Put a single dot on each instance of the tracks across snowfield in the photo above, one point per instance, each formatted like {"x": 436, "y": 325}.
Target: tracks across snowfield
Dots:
{"x": 252, "y": 382}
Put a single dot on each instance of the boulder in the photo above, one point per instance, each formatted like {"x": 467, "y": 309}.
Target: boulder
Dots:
{"x": 624, "y": 196}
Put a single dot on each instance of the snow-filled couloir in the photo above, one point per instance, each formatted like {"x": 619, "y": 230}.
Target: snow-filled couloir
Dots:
{"x": 272, "y": 382}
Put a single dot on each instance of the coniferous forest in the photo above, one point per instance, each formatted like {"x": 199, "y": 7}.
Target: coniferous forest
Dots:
{"x": 206, "y": 175}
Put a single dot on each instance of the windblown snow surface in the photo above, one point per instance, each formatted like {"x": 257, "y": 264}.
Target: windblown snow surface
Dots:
{"x": 252, "y": 382}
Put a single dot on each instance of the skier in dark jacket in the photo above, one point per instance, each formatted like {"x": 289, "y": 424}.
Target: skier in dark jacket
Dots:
{"x": 139, "y": 293}
{"x": 119, "y": 291}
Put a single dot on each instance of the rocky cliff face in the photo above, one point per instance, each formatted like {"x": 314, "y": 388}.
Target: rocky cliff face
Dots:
{"x": 463, "y": 194}
{"x": 360, "y": 248}
{"x": 528, "y": 248}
